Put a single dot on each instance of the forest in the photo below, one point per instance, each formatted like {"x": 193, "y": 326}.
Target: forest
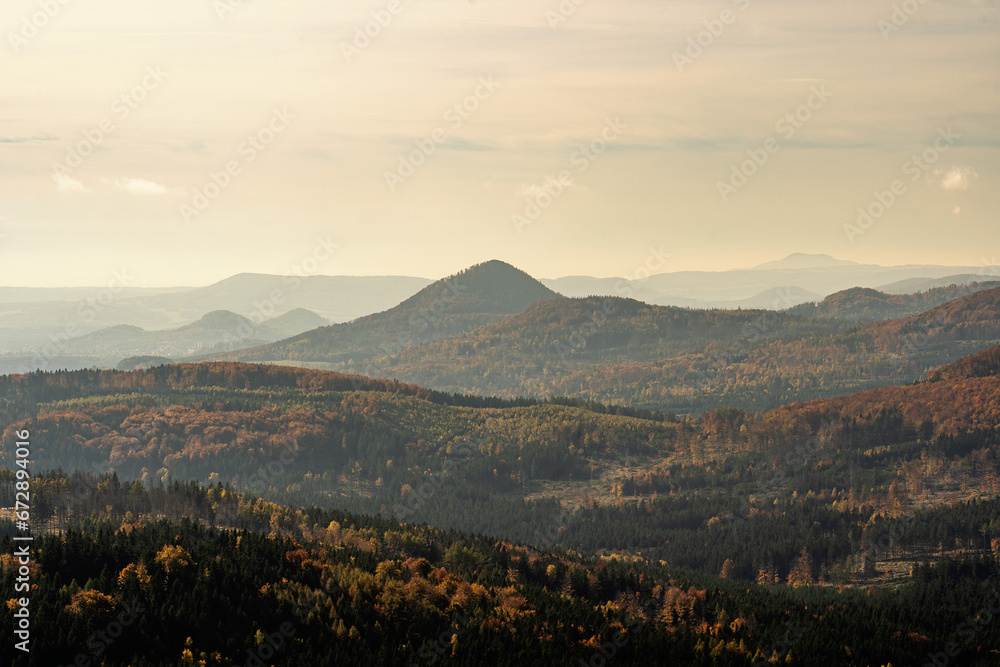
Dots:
{"x": 184, "y": 574}
{"x": 862, "y": 511}
{"x": 620, "y": 351}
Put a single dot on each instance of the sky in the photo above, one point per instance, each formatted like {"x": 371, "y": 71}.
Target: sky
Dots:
{"x": 184, "y": 141}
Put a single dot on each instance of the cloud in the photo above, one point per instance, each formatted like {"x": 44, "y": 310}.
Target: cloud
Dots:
{"x": 25, "y": 140}
{"x": 957, "y": 179}
{"x": 68, "y": 184}
{"x": 550, "y": 186}
{"x": 957, "y": 210}
{"x": 138, "y": 186}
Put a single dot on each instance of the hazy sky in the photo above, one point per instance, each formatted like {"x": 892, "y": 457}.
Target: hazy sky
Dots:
{"x": 141, "y": 102}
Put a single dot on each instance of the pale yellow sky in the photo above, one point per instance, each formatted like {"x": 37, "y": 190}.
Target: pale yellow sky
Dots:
{"x": 161, "y": 94}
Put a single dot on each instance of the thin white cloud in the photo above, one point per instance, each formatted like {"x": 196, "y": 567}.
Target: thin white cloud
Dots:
{"x": 68, "y": 184}
{"x": 138, "y": 186}
{"x": 957, "y": 179}
{"x": 550, "y": 186}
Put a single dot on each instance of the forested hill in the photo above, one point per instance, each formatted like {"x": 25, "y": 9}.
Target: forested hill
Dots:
{"x": 477, "y": 296}
{"x": 959, "y": 401}
{"x": 230, "y": 420}
{"x": 793, "y": 495}
{"x": 864, "y": 304}
{"x": 624, "y": 352}
{"x": 981, "y": 364}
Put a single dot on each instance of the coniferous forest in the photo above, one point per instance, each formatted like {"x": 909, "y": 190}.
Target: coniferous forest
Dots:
{"x": 223, "y": 513}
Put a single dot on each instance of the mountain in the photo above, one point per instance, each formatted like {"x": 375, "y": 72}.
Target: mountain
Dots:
{"x": 28, "y": 317}
{"x": 624, "y": 352}
{"x": 290, "y": 324}
{"x": 219, "y": 330}
{"x": 590, "y": 347}
{"x": 773, "y": 298}
{"x": 801, "y": 260}
{"x": 813, "y": 276}
{"x": 482, "y": 294}
{"x": 256, "y": 296}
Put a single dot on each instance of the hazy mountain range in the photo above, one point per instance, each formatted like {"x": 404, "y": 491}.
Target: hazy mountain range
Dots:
{"x": 64, "y": 328}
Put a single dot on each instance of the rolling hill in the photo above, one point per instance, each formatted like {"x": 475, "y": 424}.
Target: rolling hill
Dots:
{"x": 802, "y": 273}
{"x": 219, "y": 329}
{"x": 478, "y": 296}
{"x": 673, "y": 359}
{"x": 862, "y": 304}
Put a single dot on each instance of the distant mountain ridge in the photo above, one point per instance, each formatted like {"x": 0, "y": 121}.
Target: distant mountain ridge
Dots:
{"x": 818, "y": 275}
{"x": 220, "y": 329}
{"x": 802, "y": 260}
{"x": 475, "y": 297}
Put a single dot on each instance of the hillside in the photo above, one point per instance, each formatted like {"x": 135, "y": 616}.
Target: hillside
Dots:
{"x": 821, "y": 478}
{"x": 531, "y": 352}
{"x": 626, "y": 353}
{"x": 861, "y": 304}
{"x": 147, "y": 575}
{"x": 960, "y": 400}
{"x": 219, "y": 329}
{"x": 981, "y": 364}
{"x": 480, "y": 295}
{"x": 194, "y": 420}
